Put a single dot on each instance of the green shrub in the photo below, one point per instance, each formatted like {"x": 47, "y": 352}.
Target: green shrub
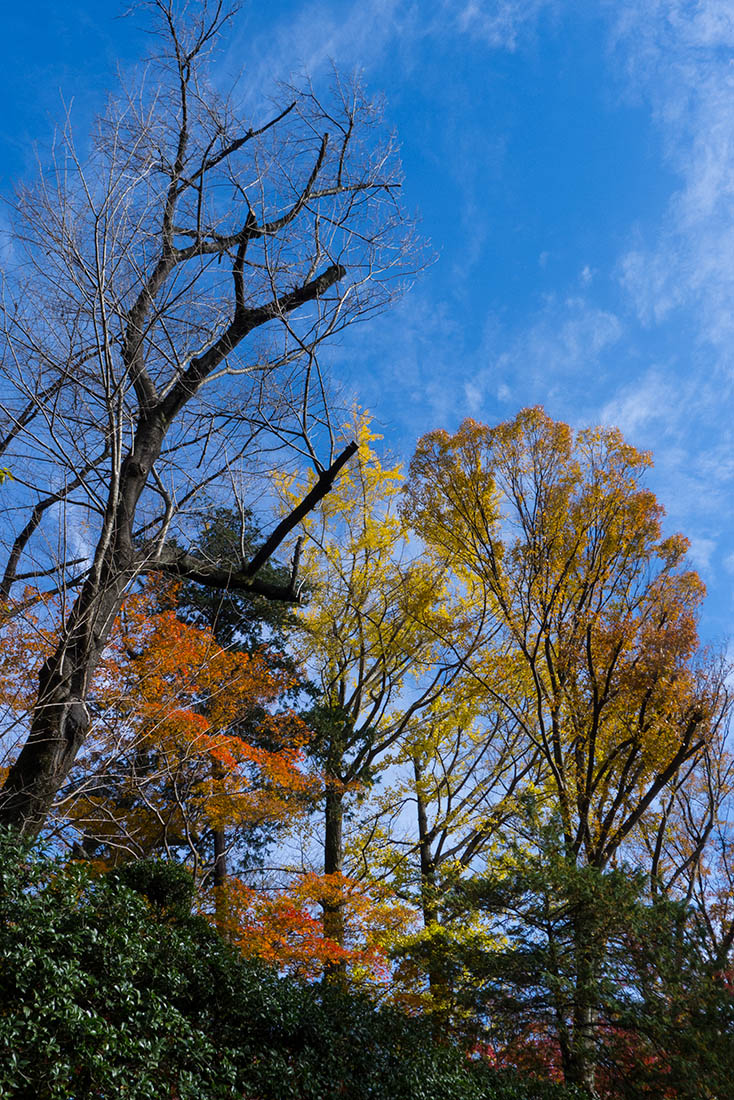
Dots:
{"x": 110, "y": 988}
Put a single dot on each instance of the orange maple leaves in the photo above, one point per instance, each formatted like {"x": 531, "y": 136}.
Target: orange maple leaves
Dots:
{"x": 284, "y": 927}
{"x": 188, "y": 736}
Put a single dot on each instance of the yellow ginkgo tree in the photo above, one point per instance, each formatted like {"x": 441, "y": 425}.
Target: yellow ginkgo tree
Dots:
{"x": 370, "y": 637}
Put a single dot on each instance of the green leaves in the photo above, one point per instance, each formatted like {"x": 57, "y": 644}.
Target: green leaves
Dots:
{"x": 90, "y": 983}
{"x": 167, "y": 886}
{"x": 108, "y": 990}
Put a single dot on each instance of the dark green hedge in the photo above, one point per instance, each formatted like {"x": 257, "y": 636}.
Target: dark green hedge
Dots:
{"x": 110, "y": 988}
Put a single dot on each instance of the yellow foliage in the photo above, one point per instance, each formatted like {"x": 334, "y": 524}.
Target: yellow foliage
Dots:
{"x": 588, "y": 640}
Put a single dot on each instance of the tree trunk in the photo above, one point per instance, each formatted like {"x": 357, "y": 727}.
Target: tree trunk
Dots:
{"x": 437, "y": 980}
{"x": 583, "y": 1056}
{"x": 560, "y": 1007}
{"x": 429, "y": 898}
{"x": 333, "y": 910}
{"x": 60, "y": 722}
{"x": 220, "y": 857}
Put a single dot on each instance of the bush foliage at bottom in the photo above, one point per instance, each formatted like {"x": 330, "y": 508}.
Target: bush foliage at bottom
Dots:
{"x": 109, "y": 987}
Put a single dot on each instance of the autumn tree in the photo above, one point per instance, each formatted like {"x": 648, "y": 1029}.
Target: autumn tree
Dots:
{"x": 368, "y": 640}
{"x": 284, "y": 926}
{"x": 590, "y": 644}
{"x": 190, "y": 739}
{"x": 245, "y": 622}
{"x": 455, "y": 784}
{"x": 686, "y": 844}
{"x": 161, "y": 326}
{"x": 662, "y": 1019}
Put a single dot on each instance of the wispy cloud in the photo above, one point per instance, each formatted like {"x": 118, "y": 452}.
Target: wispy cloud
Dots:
{"x": 411, "y": 370}
{"x": 360, "y": 33}
{"x": 555, "y": 361}
{"x": 645, "y": 404}
{"x": 678, "y": 60}
{"x": 700, "y": 554}
{"x": 498, "y": 23}
{"x": 432, "y": 372}
{"x": 355, "y": 35}
{"x": 556, "y": 357}
{"x": 693, "y": 451}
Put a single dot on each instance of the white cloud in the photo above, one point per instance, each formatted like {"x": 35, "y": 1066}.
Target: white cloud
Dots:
{"x": 651, "y": 400}
{"x": 564, "y": 342}
{"x": 498, "y": 22}
{"x": 645, "y": 275}
{"x": 359, "y": 34}
{"x": 473, "y": 396}
{"x": 351, "y": 36}
{"x": 586, "y": 333}
{"x": 554, "y": 361}
{"x": 675, "y": 417}
{"x": 678, "y": 57}
{"x": 700, "y": 553}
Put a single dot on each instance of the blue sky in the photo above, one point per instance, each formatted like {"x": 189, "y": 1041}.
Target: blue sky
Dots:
{"x": 572, "y": 162}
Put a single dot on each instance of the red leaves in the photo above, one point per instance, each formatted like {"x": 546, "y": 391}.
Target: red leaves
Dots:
{"x": 285, "y": 929}
{"x": 172, "y": 741}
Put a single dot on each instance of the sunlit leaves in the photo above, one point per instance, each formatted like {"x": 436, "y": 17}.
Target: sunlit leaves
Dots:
{"x": 188, "y": 737}
{"x": 284, "y": 927}
{"x": 367, "y": 620}
{"x": 589, "y": 613}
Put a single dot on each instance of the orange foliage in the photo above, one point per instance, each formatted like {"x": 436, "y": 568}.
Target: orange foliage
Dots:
{"x": 26, "y": 636}
{"x": 171, "y": 755}
{"x": 285, "y": 928}
{"x": 27, "y": 633}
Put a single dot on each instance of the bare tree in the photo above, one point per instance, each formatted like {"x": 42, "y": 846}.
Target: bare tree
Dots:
{"x": 161, "y": 324}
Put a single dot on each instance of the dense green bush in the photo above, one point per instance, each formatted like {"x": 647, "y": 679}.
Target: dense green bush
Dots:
{"x": 109, "y": 987}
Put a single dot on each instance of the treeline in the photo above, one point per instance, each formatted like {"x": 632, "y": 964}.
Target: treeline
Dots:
{"x": 439, "y": 746}
{"x": 479, "y": 775}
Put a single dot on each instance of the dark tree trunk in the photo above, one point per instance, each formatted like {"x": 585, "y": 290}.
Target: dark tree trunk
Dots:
{"x": 429, "y": 897}
{"x": 582, "y": 1061}
{"x": 220, "y": 857}
{"x": 333, "y": 911}
{"x": 437, "y": 980}
{"x": 60, "y": 722}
